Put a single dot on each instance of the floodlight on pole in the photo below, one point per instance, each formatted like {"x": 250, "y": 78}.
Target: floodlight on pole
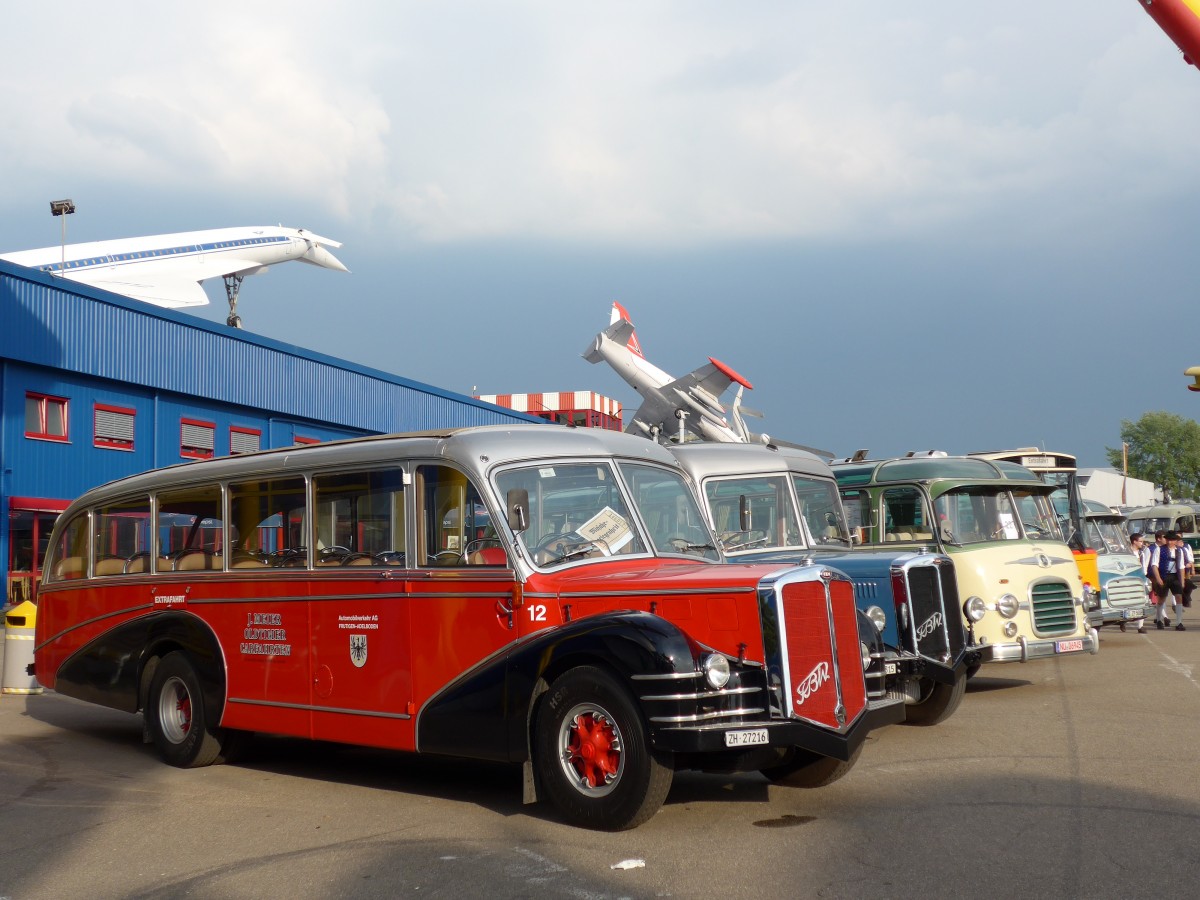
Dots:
{"x": 62, "y": 208}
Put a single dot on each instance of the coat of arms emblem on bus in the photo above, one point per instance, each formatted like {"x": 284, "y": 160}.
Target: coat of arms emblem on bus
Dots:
{"x": 358, "y": 649}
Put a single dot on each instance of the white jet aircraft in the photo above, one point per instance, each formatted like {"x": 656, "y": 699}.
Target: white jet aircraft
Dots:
{"x": 690, "y": 403}
{"x": 167, "y": 269}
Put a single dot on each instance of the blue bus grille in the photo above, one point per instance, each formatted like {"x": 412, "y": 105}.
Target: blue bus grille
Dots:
{"x": 1053, "y": 608}
{"x": 1126, "y": 591}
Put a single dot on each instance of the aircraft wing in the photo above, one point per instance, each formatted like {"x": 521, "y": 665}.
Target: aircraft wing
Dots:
{"x": 706, "y": 384}
{"x": 172, "y": 294}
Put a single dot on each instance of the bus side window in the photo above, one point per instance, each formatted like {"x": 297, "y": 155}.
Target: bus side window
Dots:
{"x": 904, "y": 515}
{"x": 268, "y": 524}
{"x": 857, "y": 505}
{"x": 68, "y": 557}
{"x": 188, "y": 531}
{"x": 456, "y": 529}
{"x": 121, "y": 536}
{"x": 359, "y": 518}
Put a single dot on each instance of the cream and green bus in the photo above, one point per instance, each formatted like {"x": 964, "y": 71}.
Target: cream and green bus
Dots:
{"x": 1022, "y": 595}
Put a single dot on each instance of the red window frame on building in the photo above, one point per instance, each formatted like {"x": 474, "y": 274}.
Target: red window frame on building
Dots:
{"x": 303, "y": 441}
{"x": 47, "y": 403}
{"x": 194, "y": 450}
{"x": 23, "y": 580}
{"x": 242, "y": 430}
{"x": 110, "y": 442}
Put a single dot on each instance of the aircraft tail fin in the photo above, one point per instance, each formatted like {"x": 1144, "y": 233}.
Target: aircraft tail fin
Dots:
{"x": 620, "y": 314}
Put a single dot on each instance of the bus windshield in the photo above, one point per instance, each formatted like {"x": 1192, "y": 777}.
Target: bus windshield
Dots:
{"x": 1107, "y": 536}
{"x": 578, "y": 511}
{"x": 821, "y": 508}
{"x": 975, "y": 515}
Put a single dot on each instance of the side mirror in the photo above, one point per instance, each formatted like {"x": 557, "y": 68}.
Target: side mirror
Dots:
{"x": 517, "y": 504}
{"x": 744, "y": 523}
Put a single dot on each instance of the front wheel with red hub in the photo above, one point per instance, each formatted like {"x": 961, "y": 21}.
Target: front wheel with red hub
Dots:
{"x": 592, "y": 754}
{"x": 176, "y": 716}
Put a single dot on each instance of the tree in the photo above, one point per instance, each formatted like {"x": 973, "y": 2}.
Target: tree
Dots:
{"x": 1163, "y": 448}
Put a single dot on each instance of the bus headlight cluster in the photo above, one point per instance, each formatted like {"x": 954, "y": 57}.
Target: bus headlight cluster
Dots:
{"x": 975, "y": 608}
{"x": 1007, "y": 606}
{"x": 878, "y": 619}
{"x": 716, "y": 670}
{"x": 1091, "y": 597}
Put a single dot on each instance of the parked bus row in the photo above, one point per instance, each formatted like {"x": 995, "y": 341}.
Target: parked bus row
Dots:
{"x": 558, "y": 599}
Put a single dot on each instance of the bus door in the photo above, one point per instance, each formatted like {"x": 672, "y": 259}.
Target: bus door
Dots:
{"x": 462, "y": 589}
{"x": 261, "y": 610}
{"x": 362, "y": 688}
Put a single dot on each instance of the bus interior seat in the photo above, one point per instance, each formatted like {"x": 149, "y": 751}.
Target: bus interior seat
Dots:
{"x": 248, "y": 562}
{"x": 110, "y": 565}
{"x": 69, "y": 567}
{"x": 194, "y": 561}
{"x": 488, "y": 556}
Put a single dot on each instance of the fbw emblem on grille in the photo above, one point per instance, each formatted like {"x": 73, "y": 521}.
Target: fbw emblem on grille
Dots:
{"x": 358, "y": 649}
{"x": 929, "y": 626}
{"x": 813, "y": 682}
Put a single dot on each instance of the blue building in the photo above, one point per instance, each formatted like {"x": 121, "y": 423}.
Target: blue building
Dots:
{"x": 95, "y": 386}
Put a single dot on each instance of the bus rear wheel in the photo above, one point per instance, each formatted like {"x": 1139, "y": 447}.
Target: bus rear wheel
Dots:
{"x": 177, "y": 719}
{"x": 805, "y": 769}
{"x": 592, "y": 754}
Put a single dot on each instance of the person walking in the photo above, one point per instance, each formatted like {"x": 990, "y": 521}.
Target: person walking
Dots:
{"x": 1138, "y": 544}
{"x": 1168, "y": 569}
{"x": 1156, "y": 581}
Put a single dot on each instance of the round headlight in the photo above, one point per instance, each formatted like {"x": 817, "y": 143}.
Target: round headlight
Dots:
{"x": 716, "y": 670}
{"x": 1007, "y": 606}
{"x": 975, "y": 608}
{"x": 866, "y": 656}
{"x": 1091, "y": 597}
{"x": 1010, "y": 629}
{"x": 878, "y": 619}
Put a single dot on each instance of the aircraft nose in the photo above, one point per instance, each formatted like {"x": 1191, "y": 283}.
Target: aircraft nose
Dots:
{"x": 318, "y": 255}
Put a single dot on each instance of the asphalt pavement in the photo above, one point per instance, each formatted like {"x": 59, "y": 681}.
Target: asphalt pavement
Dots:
{"x": 1066, "y": 777}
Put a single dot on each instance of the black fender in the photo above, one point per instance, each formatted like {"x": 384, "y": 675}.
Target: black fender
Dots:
{"x": 109, "y": 669}
{"x": 485, "y": 714}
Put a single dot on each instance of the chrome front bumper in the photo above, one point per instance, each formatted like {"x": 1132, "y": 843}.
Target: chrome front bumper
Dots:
{"x": 1109, "y": 616}
{"x": 1023, "y": 649}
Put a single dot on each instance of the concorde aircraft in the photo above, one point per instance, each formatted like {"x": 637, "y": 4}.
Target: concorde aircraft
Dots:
{"x": 672, "y": 405}
{"x": 167, "y": 269}
{"x": 1180, "y": 19}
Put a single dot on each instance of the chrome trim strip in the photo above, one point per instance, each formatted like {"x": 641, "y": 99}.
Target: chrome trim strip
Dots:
{"x": 669, "y": 676}
{"x": 705, "y": 717}
{"x": 328, "y": 709}
{"x": 680, "y": 592}
{"x": 705, "y": 695}
{"x": 93, "y": 620}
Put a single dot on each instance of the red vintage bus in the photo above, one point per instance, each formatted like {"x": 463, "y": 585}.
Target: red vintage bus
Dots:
{"x": 543, "y": 596}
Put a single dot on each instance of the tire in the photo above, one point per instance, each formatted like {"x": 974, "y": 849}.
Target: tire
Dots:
{"x": 592, "y": 755}
{"x": 938, "y": 702}
{"x": 805, "y": 769}
{"x": 177, "y": 719}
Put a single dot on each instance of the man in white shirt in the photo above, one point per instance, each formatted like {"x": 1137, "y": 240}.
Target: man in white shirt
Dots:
{"x": 1168, "y": 572}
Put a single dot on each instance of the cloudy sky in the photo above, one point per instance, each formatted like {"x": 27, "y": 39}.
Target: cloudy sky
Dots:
{"x": 920, "y": 225}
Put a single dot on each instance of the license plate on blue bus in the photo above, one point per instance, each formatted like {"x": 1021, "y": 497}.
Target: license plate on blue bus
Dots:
{"x": 1067, "y": 646}
{"x": 745, "y": 738}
